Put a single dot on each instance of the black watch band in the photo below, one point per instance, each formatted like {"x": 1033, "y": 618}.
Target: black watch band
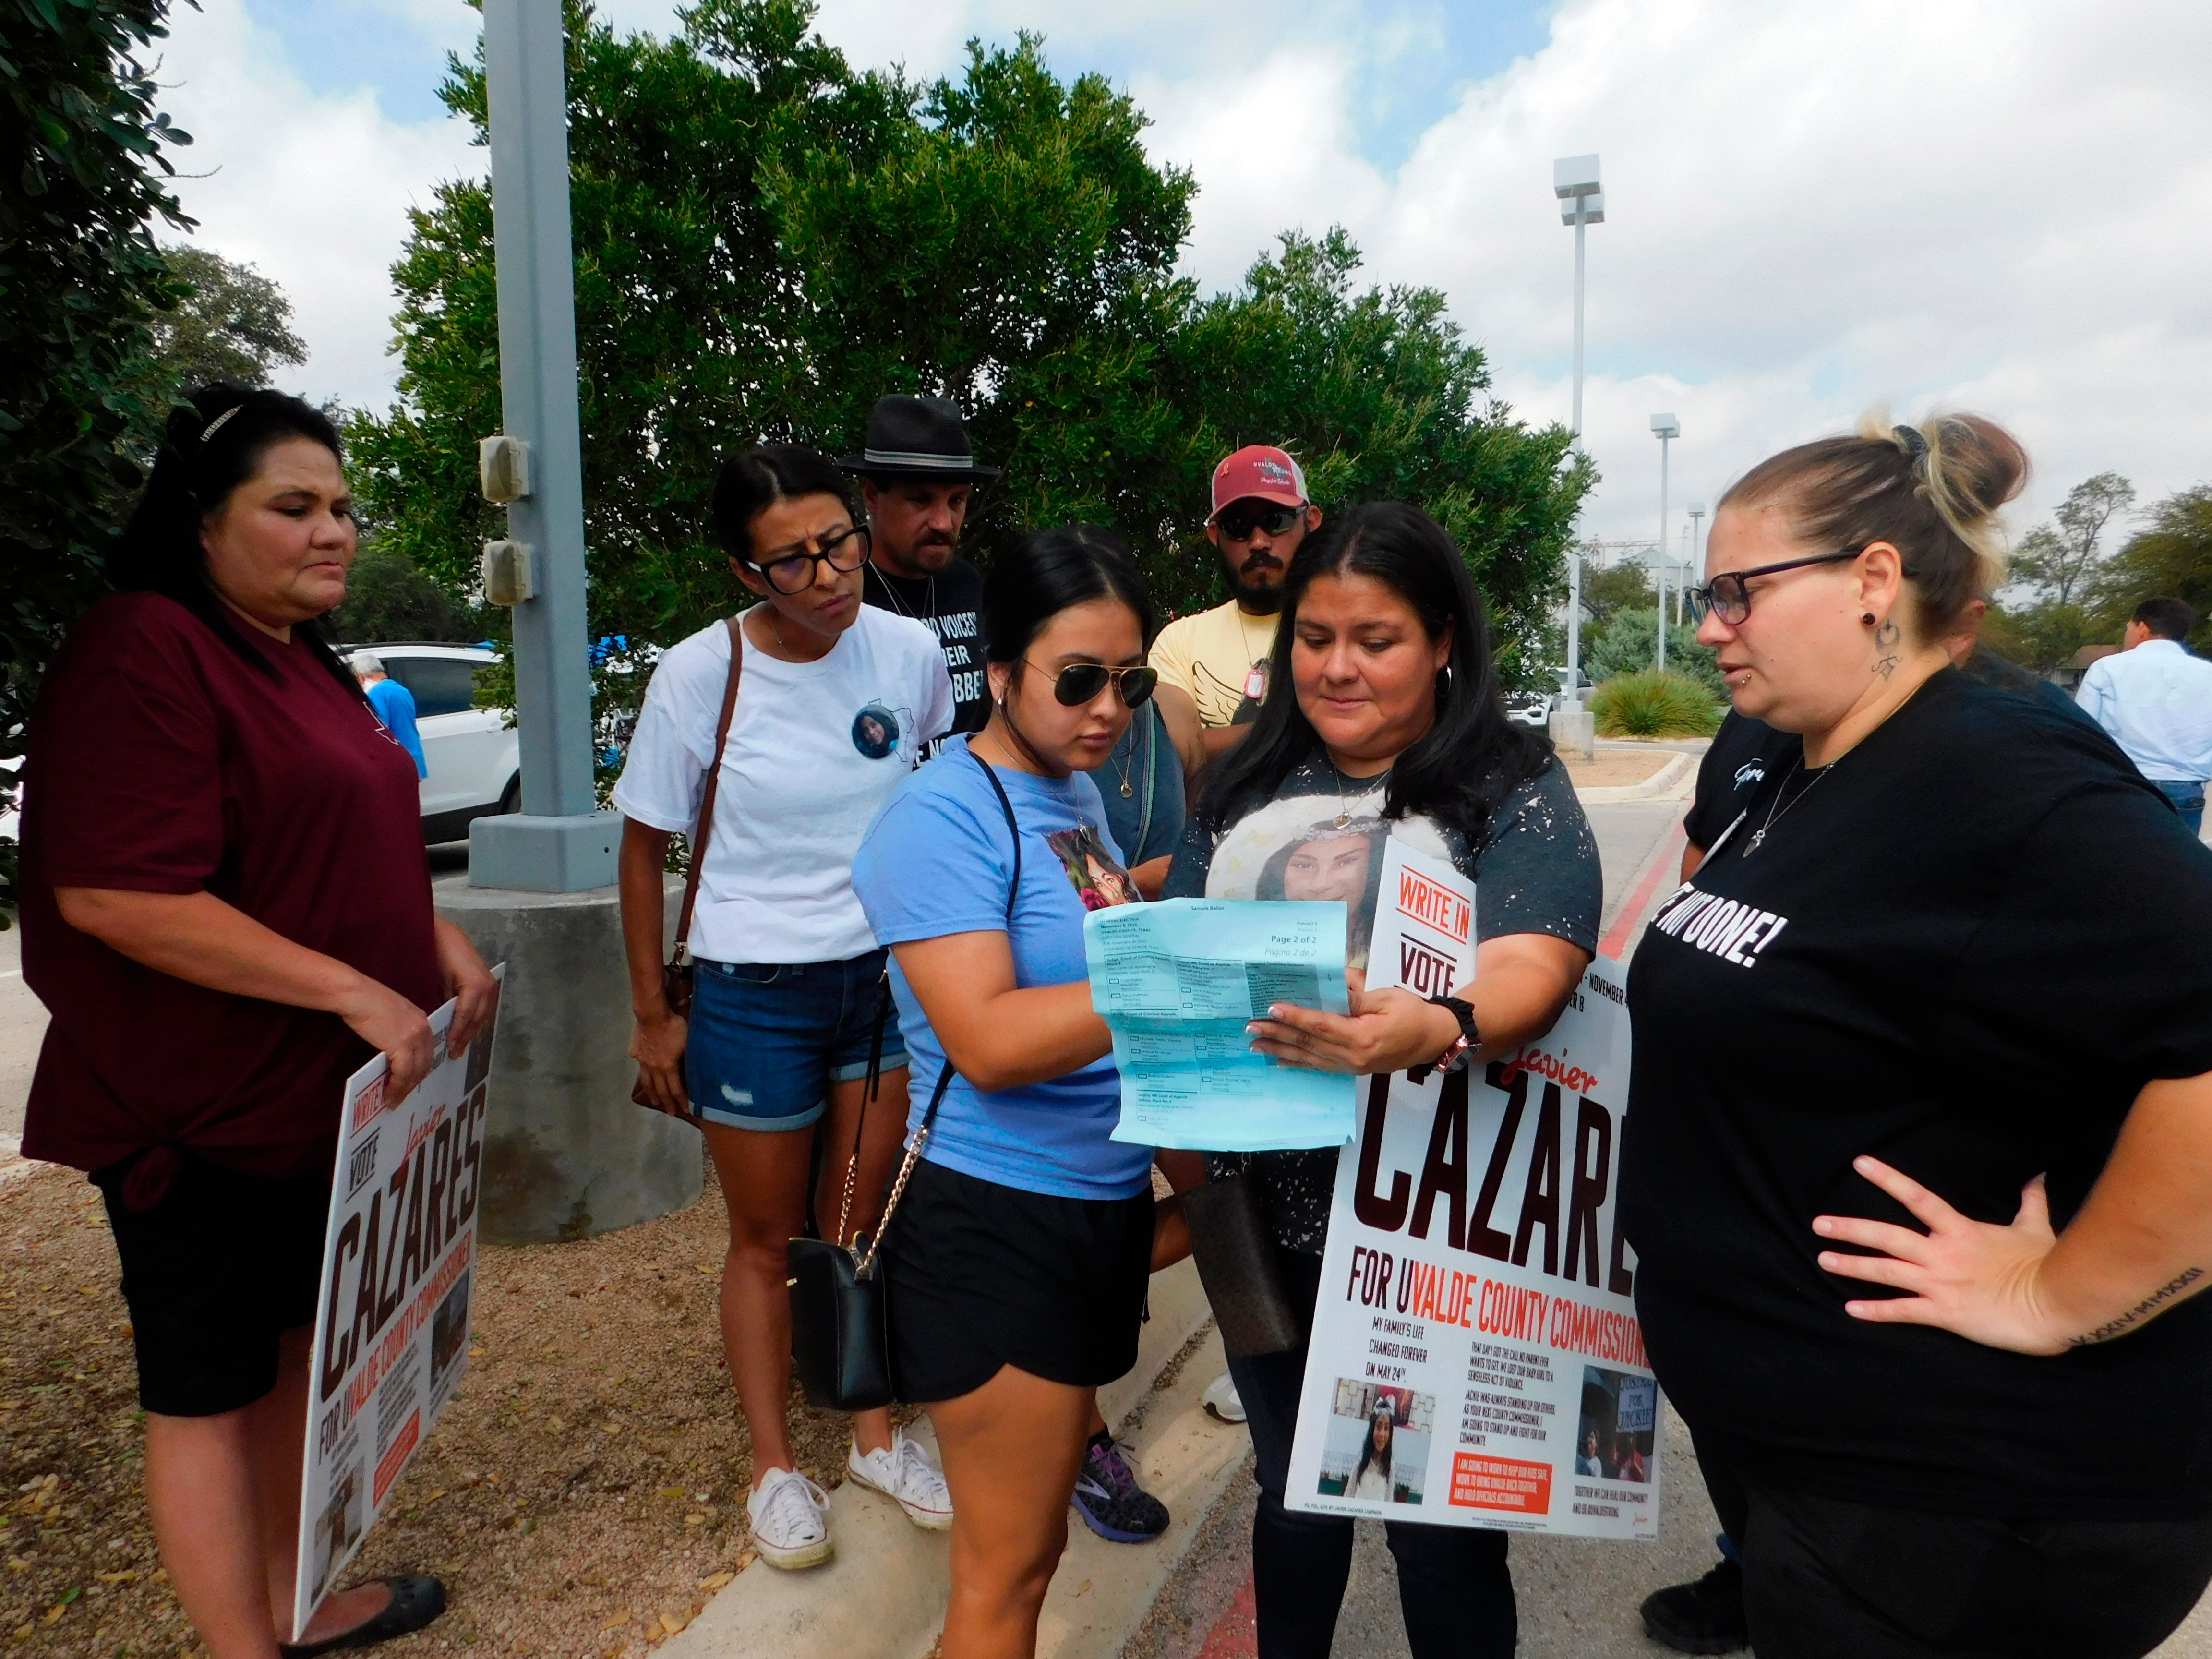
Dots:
{"x": 1461, "y": 1050}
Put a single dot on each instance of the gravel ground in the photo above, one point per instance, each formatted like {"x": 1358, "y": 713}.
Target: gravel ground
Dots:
{"x": 582, "y": 1495}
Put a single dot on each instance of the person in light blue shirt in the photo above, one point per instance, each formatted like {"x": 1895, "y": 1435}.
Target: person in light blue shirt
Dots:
{"x": 394, "y": 705}
{"x": 2155, "y": 702}
{"x": 1023, "y": 1235}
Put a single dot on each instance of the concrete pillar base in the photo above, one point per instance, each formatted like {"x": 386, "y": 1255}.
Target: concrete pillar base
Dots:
{"x": 1574, "y": 733}
{"x": 567, "y": 1154}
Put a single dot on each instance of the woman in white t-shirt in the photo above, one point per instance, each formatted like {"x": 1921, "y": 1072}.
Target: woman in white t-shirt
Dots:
{"x": 835, "y": 700}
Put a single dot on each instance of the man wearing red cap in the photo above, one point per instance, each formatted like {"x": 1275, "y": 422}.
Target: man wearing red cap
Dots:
{"x": 1219, "y": 657}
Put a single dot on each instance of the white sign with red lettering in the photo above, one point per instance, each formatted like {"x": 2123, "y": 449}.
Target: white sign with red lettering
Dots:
{"x": 1475, "y": 1357}
{"x": 391, "y": 1332}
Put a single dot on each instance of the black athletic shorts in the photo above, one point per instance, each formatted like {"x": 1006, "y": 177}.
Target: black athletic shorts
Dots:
{"x": 214, "y": 1273}
{"x": 980, "y": 1276}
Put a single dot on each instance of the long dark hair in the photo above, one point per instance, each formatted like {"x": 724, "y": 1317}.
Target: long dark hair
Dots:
{"x": 209, "y": 448}
{"x": 1464, "y": 766}
{"x": 1367, "y": 1453}
{"x": 1049, "y": 571}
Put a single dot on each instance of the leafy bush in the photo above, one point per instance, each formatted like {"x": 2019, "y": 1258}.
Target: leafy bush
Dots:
{"x": 1650, "y": 704}
{"x": 1630, "y": 644}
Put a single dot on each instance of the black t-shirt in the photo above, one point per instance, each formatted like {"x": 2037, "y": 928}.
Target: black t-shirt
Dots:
{"x": 951, "y": 602}
{"x": 1963, "y": 948}
{"x": 1536, "y": 871}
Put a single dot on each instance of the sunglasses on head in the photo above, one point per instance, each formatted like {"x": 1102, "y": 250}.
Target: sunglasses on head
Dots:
{"x": 1239, "y": 521}
{"x": 1080, "y": 682}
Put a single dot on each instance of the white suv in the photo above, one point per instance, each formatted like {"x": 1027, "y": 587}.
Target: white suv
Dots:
{"x": 473, "y": 753}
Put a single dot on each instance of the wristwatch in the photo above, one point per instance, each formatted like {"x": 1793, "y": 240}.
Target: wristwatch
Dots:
{"x": 1463, "y": 1046}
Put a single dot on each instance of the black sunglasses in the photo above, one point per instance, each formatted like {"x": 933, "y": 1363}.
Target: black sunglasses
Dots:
{"x": 1080, "y": 682}
{"x": 1238, "y": 522}
{"x": 1727, "y": 597}
{"x": 793, "y": 572}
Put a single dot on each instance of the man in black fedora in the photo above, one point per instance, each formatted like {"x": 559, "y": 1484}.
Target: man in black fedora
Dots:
{"x": 917, "y": 471}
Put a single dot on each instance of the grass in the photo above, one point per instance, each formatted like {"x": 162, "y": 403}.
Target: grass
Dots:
{"x": 1650, "y": 704}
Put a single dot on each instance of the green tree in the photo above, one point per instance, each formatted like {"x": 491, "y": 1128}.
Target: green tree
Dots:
{"x": 1630, "y": 645}
{"x": 2043, "y": 637}
{"x": 230, "y": 323}
{"x": 81, "y": 280}
{"x": 2060, "y": 559}
{"x": 2171, "y": 557}
{"x": 388, "y": 598}
{"x": 767, "y": 240}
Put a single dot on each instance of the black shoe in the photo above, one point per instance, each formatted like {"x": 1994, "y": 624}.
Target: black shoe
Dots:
{"x": 1707, "y": 1617}
{"x": 416, "y": 1599}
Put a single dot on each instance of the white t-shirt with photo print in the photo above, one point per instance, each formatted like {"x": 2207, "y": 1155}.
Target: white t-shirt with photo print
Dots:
{"x": 815, "y": 750}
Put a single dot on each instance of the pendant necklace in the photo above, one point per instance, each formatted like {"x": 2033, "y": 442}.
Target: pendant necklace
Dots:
{"x": 1777, "y": 810}
{"x": 1343, "y": 788}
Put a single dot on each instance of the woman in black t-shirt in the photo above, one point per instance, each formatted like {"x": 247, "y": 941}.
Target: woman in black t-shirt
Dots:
{"x": 1919, "y": 1149}
{"x": 1383, "y": 719}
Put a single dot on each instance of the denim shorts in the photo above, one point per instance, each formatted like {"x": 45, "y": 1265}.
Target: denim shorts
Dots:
{"x": 766, "y": 1039}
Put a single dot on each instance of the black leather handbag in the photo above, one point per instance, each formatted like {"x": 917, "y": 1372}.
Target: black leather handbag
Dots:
{"x": 840, "y": 1309}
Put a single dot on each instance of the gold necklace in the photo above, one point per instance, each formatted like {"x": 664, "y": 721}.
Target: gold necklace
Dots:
{"x": 1344, "y": 812}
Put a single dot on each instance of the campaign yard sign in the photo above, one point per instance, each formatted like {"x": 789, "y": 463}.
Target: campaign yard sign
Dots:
{"x": 392, "y": 1331}
{"x": 1475, "y": 1357}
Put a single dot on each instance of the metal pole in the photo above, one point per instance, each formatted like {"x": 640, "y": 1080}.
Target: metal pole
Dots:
{"x": 545, "y": 848}
{"x": 1571, "y": 689}
{"x": 1664, "y": 442}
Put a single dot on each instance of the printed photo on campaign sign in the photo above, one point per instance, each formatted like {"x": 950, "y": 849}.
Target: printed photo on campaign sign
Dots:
{"x": 1378, "y": 1443}
{"x": 1474, "y": 1257}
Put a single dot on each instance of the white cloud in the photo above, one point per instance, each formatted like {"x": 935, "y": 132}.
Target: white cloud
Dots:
{"x": 312, "y": 188}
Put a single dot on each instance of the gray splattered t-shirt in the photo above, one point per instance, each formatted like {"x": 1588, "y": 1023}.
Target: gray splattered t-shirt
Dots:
{"x": 1536, "y": 871}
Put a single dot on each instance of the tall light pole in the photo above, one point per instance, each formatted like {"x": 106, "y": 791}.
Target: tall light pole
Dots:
{"x": 1666, "y": 428}
{"x": 1582, "y": 204}
{"x": 1697, "y": 526}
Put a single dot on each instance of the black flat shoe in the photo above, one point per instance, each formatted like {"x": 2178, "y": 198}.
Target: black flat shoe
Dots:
{"x": 416, "y": 1599}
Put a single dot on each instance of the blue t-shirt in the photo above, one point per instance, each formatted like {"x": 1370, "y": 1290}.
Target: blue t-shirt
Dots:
{"x": 937, "y": 861}
{"x": 395, "y": 706}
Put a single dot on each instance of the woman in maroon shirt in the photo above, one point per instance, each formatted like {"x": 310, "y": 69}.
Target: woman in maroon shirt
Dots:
{"x": 227, "y": 909}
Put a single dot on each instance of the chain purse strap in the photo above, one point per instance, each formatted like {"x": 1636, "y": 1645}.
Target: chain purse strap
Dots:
{"x": 867, "y": 1263}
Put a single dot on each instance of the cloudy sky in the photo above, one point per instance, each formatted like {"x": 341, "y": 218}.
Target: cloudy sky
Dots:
{"x": 1811, "y": 205}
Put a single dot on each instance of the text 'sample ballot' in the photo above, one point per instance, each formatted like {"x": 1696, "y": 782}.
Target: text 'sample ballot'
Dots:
{"x": 392, "y": 1331}
{"x": 1476, "y": 1358}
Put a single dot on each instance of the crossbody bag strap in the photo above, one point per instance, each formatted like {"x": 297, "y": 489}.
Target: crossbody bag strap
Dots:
{"x": 867, "y": 1263}
{"x": 707, "y": 797}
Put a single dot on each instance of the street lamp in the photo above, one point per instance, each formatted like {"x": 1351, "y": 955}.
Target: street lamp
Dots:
{"x": 1582, "y": 204}
{"x": 1697, "y": 553}
{"x": 1666, "y": 428}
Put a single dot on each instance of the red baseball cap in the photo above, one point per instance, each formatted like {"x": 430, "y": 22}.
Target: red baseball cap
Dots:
{"x": 1258, "y": 469}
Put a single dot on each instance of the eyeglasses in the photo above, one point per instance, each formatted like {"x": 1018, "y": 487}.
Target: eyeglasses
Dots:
{"x": 1080, "y": 682}
{"x": 1727, "y": 597}
{"x": 793, "y": 572}
{"x": 1238, "y": 522}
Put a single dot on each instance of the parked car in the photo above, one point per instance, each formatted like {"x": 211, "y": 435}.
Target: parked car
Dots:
{"x": 1529, "y": 708}
{"x": 473, "y": 754}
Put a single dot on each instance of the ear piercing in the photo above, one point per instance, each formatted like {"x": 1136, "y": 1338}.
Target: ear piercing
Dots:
{"x": 1868, "y": 619}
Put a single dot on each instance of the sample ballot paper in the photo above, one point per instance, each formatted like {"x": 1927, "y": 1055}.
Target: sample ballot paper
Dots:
{"x": 1178, "y": 981}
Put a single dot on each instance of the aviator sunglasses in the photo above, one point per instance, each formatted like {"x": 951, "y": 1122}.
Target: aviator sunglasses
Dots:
{"x": 1727, "y": 597}
{"x": 1080, "y": 682}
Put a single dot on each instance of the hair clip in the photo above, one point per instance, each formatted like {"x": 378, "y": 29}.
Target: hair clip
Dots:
{"x": 1911, "y": 441}
{"x": 215, "y": 425}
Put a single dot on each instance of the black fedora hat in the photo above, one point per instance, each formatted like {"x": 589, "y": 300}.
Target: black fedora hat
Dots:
{"x": 917, "y": 438}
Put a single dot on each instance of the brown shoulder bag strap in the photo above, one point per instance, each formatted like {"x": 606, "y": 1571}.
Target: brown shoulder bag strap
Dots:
{"x": 707, "y": 797}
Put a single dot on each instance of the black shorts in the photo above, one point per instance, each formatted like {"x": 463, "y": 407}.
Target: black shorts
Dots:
{"x": 981, "y": 1276}
{"x": 213, "y": 1275}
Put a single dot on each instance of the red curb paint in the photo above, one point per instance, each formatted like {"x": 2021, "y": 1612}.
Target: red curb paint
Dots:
{"x": 1665, "y": 868}
{"x": 1237, "y": 1634}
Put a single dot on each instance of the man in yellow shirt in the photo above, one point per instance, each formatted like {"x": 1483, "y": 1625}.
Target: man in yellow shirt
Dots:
{"x": 1217, "y": 659}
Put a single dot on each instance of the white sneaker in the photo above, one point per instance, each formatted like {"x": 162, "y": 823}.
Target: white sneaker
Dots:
{"x": 791, "y": 1520}
{"x": 1222, "y": 1401}
{"x": 907, "y": 1475}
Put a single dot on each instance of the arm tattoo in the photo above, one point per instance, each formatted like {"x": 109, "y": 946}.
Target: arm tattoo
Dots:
{"x": 2142, "y": 1310}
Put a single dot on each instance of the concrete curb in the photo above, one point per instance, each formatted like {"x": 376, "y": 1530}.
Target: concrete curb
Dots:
{"x": 1657, "y": 784}
{"x": 883, "y": 1597}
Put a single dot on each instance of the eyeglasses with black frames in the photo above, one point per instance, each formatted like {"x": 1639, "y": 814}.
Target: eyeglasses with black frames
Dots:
{"x": 1238, "y": 521}
{"x": 1080, "y": 682}
{"x": 793, "y": 572}
{"x": 1727, "y": 597}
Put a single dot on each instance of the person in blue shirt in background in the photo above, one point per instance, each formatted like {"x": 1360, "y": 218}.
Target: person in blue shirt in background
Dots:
{"x": 394, "y": 705}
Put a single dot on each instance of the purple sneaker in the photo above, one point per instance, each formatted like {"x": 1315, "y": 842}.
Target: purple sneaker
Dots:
{"x": 1110, "y": 1500}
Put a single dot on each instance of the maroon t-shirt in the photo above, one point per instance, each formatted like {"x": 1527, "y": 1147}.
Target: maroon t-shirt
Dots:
{"x": 160, "y": 761}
